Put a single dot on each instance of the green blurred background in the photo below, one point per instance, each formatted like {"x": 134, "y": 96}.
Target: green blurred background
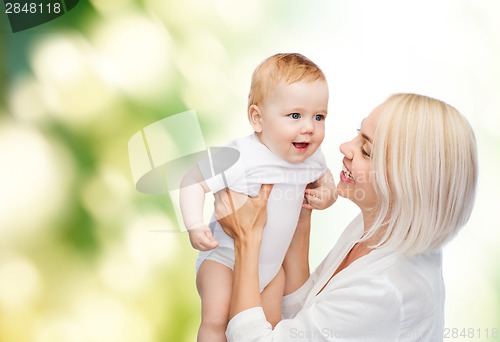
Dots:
{"x": 86, "y": 257}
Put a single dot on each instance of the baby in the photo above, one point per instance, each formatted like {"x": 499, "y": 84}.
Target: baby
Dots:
{"x": 287, "y": 107}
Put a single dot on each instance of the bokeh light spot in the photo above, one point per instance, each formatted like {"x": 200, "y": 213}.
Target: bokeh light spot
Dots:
{"x": 33, "y": 178}
{"x": 20, "y": 282}
{"x": 135, "y": 54}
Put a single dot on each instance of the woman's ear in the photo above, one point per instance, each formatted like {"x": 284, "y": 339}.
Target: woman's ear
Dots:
{"x": 255, "y": 117}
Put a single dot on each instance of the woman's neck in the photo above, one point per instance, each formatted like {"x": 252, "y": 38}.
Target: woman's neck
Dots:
{"x": 369, "y": 218}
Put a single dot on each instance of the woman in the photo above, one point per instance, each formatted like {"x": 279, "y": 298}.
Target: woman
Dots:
{"x": 412, "y": 171}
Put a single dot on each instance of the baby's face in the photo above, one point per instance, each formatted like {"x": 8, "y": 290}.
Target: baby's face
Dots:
{"x": 293, "y": 119}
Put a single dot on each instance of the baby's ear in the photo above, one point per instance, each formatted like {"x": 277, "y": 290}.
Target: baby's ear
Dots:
{"x": 255, "y": 116}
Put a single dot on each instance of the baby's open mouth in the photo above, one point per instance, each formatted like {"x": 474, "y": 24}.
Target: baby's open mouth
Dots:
{"x": 300, "y": 145}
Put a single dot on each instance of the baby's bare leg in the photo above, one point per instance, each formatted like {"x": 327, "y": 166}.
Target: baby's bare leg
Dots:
{"x": 271, "y": 298}
{"x": 214, "y": 282}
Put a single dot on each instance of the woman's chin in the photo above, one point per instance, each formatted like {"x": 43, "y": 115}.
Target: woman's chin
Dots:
{"x": 342, "y": 193}
{"x": 347, "y": 194}
{"x": 342, "y": 189}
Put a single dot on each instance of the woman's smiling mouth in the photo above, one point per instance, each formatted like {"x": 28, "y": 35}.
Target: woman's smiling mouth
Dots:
{"x": 345, "y": 174}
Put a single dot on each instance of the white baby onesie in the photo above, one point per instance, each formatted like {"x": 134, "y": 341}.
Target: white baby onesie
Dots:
{"x": 255, "y": 166}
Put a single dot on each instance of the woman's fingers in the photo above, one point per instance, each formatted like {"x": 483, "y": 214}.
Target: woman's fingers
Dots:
{"x": 223, "y": 205}
{"x": 265, "y": 191}
{"x": 231, "y": 203}
{"x": 239, "y": 214}
{"x": 227, "y": 202}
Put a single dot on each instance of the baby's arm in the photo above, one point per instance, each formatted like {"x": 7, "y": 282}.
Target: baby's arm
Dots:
{"x": 322, "y": 193}
{"x": 192, "y": 199}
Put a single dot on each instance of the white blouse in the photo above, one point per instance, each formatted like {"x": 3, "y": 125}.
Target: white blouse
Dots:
{"x": 379, "y": 297}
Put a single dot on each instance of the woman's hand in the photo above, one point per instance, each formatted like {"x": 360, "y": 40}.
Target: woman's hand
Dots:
{"x": 241, "y": 216}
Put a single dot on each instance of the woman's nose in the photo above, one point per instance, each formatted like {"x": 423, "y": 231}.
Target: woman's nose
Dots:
{"x": 346, "y": 149}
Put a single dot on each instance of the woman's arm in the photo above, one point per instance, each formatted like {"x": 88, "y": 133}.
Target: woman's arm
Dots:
{"x": 364, "y": 309}
{"x": 245, "y": 225}
{"x": 319, "y": 195}
{"x": 296, "y": 263}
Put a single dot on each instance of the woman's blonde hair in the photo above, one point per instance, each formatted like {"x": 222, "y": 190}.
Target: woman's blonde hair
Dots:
{"x": 425, "y": 171}
{"x": 287, "y": 67}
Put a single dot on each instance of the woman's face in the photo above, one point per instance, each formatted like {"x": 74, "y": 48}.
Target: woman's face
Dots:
{"x": 355, "y": 183}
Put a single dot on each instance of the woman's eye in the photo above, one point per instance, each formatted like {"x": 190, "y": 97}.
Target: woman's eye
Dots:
{"x": 294, "y": 115}
{"x": 319, "y": 117}
{"x": 363, "y": 152}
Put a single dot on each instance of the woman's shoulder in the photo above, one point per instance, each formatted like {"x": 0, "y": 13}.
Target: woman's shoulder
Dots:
{"x": 407, "y": 277}
{"x": 418, "y": 281}
{"x": 413, "y": 269}
{"x": 389, "y": 291}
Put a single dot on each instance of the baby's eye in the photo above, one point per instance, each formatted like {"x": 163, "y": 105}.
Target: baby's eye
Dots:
{"x": 294, "y": 116}
{"x": 319, "y": 117}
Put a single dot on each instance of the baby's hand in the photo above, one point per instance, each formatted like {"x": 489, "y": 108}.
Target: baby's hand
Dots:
{"x": 321, "y": 194}
{"x": 201, "y": 238}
